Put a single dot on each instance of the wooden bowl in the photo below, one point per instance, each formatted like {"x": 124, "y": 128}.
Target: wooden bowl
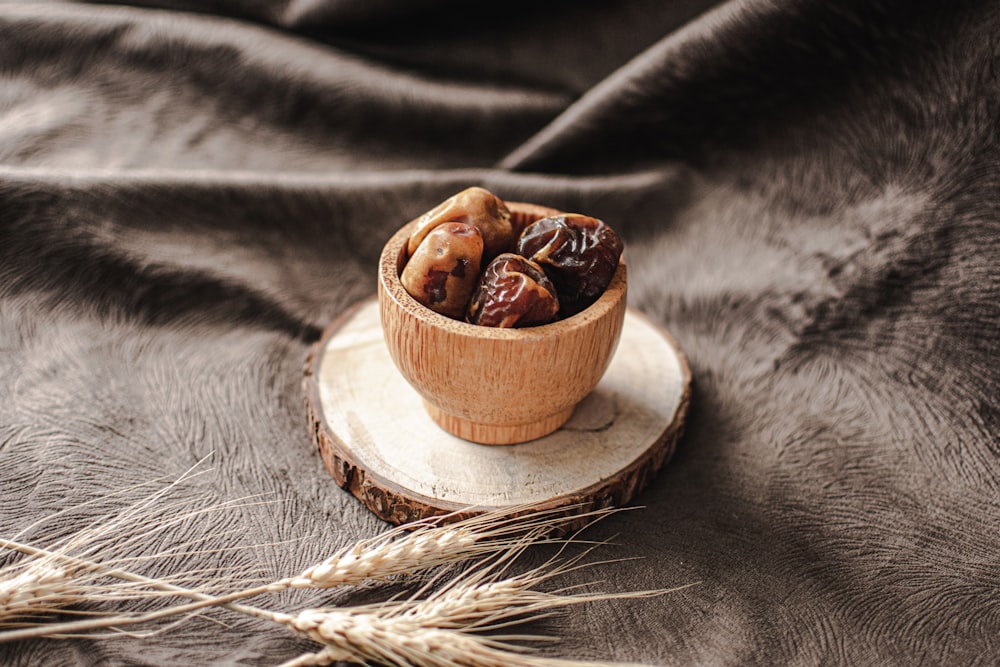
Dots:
{"x": 497, "y": 386}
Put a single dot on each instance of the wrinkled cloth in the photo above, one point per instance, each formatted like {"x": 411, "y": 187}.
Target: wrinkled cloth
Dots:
{"x": 190, "y": 192}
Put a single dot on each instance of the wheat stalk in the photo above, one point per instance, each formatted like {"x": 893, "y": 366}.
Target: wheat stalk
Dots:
{"x": 367, "y": 639}
{"x": 444, "y": 629}
{"x": 82, "y": 568}
{"x": 428, "y": 543}
{"x": 44, "y": 583}
{"x": 38, "y": 588}
{"x": 407, "y": 549}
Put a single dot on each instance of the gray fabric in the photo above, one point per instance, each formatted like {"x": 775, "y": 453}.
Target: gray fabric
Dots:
{"x": 808, "y": 196}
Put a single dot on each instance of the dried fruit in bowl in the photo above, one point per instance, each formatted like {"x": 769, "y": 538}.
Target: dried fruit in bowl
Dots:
{"x": 444, "y": 269}
{"x": 473, "y": 206}
{"x": 513, "y": 292}
{"x": 579, "y": 253}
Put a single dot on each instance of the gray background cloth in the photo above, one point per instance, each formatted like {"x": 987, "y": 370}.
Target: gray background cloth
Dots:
{"x": 808, "y": 191}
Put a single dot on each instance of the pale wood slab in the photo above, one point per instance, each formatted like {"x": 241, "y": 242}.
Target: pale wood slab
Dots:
{"x": 378, "y": 442}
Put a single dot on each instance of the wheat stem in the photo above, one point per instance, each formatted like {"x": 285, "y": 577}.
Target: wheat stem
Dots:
{"x": 349, "y": 635}
{"x": 201, "y": 600}
{"x": 443, "y": 629}
{"x": 125, "y": 575}
{"x": 76, "y": 627}
{"x": 441, "y": 626}
{"x": 396, "y": 552}
{"x": 430, "y": 542}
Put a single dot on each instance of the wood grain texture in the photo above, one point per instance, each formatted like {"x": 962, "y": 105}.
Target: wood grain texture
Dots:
{"x": 497, "y": 385}
{"x": 378, "y": 442}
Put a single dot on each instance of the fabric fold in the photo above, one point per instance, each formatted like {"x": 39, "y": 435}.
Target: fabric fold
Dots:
{"x": 734, "y": 76}
{"x": 191, "y": 192}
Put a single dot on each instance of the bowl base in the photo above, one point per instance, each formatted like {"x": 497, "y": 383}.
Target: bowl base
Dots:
{"x": 496, "y": 434}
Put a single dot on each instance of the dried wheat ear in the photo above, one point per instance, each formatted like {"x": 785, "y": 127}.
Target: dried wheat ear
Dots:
{"x": 455, "y": 622}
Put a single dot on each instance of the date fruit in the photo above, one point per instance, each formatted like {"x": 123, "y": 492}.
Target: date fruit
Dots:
{"x": 474, "y": 206}
{"x": 579, "y": 253}
{"x": 513, "y": 292}
{"x": 444, "y": 268}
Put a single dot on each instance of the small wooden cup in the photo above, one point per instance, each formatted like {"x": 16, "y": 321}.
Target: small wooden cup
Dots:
{"x": 497, "y": 386}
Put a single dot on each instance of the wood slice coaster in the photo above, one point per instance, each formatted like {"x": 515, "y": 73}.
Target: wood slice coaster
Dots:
{"x": 378, "y": 442}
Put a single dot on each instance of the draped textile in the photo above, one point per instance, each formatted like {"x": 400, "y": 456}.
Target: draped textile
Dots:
{"x": 809, "y": 194}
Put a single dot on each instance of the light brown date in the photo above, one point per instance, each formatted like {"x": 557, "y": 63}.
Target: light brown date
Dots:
{"x": 444, "y": 269}
{"x": 474, "y": 206}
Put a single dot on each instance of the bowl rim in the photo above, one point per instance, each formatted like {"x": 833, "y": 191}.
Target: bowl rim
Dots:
{"x": 389, "y": 271}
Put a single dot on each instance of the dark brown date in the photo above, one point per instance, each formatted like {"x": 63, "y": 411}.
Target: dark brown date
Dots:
{"x": 513, "y": 292}
{"x": 579, "y": 253}
{"x": 444, "y": 269}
